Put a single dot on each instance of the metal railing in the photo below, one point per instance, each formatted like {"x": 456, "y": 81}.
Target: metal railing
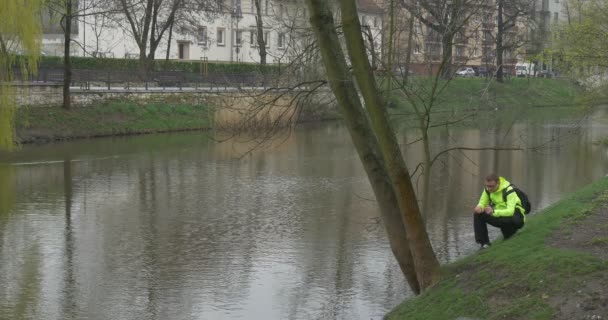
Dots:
{"x": 88, "y": 79}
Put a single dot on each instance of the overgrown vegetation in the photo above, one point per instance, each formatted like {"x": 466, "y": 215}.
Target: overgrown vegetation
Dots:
{"x": 518, "y": 278}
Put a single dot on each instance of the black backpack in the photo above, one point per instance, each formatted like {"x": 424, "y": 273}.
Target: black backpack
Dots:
{"x": 525, "y": 202}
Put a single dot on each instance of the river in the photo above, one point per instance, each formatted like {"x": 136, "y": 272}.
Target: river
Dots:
{"x": 181, "y": 226}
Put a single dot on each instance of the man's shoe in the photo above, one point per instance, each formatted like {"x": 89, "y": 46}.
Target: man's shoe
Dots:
{"x": 484, "y": 246}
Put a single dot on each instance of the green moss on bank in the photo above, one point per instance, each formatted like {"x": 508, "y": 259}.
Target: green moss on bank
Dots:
{"x": 113, "y": 118}
{"x": 522, "y": 278}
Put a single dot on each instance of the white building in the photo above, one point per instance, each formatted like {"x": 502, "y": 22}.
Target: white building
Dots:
{"x": 226, "y": 36}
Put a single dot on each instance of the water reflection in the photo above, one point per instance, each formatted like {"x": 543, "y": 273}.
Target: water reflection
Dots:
{"x": 180, "y": 227}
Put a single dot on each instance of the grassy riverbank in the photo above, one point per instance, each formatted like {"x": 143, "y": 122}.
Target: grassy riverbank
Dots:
{"x": 473, "y": 93}
{"x": 555, "y": 268}
{"x": 39, "y": 124}
{"x": 43, "y": 124}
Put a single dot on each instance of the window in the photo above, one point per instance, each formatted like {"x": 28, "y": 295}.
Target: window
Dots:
{"x": 221, "y": 35}
{"x": 238, "y": 37}
{"x": 281, "y": 40}
{"x": 202, "y": 36}
{"x": 376, "y": 23}
{"x": 460, "y": 51}
{"x": 281, "y": 9}
{"x": 417, "y": 48}
{"x": 252, "y": 8}
{"x": 363, "y": 20}
{"x": 265, "y": 6}
{"x": 253, "y": 37}
{"x": 555, "y": 16}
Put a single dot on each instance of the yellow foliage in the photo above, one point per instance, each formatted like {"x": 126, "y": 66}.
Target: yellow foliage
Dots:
{"x": 20, "y": 36}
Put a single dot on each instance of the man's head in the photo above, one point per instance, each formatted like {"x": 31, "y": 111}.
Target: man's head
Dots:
{"x": 492, "y": 182}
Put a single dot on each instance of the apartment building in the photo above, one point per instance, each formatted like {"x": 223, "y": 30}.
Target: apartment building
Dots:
{"x": 228, "y": 34}
{"x": 474, "y": 44}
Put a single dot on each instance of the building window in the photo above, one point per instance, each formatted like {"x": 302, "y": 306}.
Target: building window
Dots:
{"x": 364, "y": 21}
{"x": 238, "y": 37}
{"x": 281, "y": 40}
{"x": 265, "y": 6}
{"x": 417, "y": 48}
{"x": 202, "y": 36}
{"x": 376, "y": 22}
{"x": 555, "y": 17}
{"x": 221, "y": 35}
{"x": 253, "y": 38}
{"x": 252, "y": 8}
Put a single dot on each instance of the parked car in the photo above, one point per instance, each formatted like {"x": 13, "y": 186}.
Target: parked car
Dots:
{"x": 465, "y": 72}
{"x": 545, "y": 74}
{"x": 481, "y": 72}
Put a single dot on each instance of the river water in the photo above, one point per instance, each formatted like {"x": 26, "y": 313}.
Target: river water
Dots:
{"x": 180, "y": 226}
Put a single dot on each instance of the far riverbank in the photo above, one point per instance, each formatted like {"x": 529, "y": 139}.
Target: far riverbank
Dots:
{"x": 126, "y": 115}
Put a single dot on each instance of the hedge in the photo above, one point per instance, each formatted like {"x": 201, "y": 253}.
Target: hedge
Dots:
{"x": 158, "y": 65}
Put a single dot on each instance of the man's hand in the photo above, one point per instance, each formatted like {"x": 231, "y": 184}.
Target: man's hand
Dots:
{"x": 489, "y": 210}
{"x": 478, "y": 209}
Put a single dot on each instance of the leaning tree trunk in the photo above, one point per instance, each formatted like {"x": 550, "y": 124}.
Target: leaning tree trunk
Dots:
{"x": 425, "y": 261}
{"x": 67, "y": 64}
{"x": 362, "y": 135}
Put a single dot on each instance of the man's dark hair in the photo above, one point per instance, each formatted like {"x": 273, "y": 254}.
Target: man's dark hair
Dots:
{"x": 492, "y": 177}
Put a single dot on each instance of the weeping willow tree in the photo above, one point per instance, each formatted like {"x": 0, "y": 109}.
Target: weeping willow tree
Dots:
{"x": 20, "y": 35}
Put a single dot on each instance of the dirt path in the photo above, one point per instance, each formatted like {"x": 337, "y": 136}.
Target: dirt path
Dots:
{"x": 590, "y": 299}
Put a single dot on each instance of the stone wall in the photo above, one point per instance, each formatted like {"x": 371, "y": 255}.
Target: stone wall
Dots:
{"x": 232, "y": 104}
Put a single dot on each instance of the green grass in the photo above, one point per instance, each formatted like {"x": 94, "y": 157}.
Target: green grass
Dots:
{"x": 112, "y": 118}
{"x": 514, "y": 279}
{"x": 467, "y": 93}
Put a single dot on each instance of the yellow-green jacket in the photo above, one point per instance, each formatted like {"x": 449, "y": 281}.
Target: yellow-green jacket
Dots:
{"x": 502, "y": 208}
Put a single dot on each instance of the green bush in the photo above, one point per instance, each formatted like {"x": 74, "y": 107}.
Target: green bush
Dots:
{"x": 158, "y": 65}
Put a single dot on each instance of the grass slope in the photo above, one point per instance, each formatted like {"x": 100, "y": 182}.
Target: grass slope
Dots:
{"x": 518, "y": 278}
{"x": 474, "y": 93}
{"x": 114, "y": 118}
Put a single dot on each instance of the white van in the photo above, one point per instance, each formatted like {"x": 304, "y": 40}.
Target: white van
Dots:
{"x": 525, "y": 69}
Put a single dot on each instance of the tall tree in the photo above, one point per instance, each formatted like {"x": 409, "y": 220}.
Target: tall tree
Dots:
{"x": 375, "y": 142}
{"x": 67, "y": 64}
{"x": 444, "y": 18}
{"x": 20, "y": 32}
{"x": 148, "y": 20}
{"x": 259, "y": 25}
{"x": 581, "y": 44}
{"x": 508, "y": 15}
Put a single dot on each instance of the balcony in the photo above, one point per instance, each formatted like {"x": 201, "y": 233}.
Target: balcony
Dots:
{"x": 460, "y": 59}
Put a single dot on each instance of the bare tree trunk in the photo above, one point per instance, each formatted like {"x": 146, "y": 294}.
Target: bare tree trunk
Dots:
{"x": 425, "y": 261}
{"x": 446, "y": 42}
{"x": 67, "y": 64}
{"x": 260, "y": 32}
{"x": 169, "y": 42}
{"x": 499, "y": 40}
{"x": 362, "y": 135}
{"x": 408, "y": 54}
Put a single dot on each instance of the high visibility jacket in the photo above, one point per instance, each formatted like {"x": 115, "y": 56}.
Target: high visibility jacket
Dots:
{"x": 501, "y": 208}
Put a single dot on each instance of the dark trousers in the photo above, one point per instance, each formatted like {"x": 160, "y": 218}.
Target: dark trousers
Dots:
{"x": 508, "y": 225}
